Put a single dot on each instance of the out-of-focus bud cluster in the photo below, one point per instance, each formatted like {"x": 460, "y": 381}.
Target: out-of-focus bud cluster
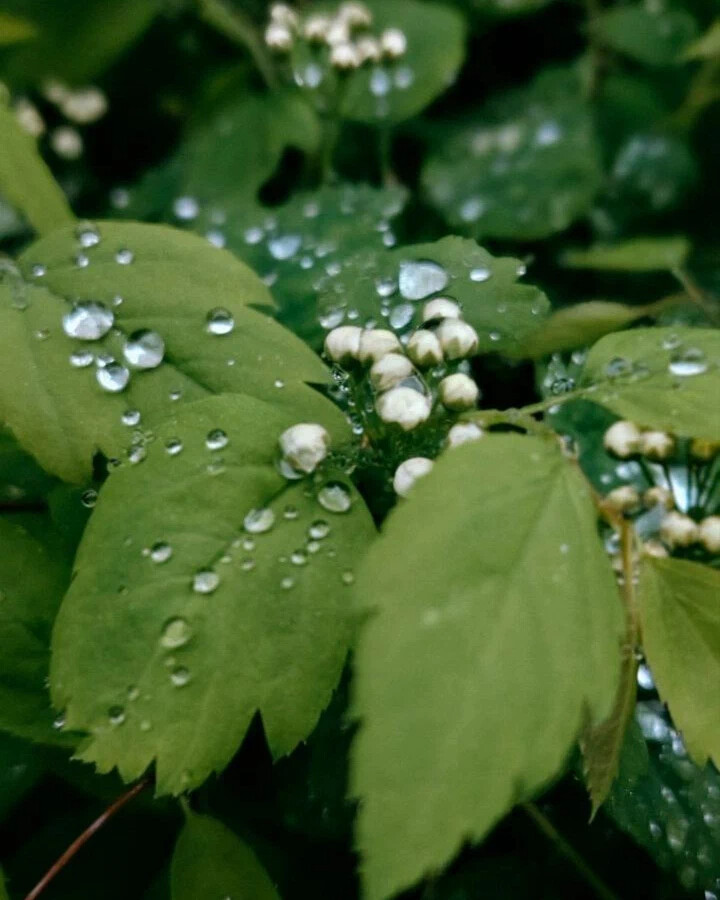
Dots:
{"x": 346, "y": 35}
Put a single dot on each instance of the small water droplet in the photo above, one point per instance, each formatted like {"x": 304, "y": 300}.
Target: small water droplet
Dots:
{"x": 690, "y": 362}
{"x": 219, "y": 321}
{"x": 131, "y": 417}
{"x": 216, "y": 439}
{"x": 258, "y": 521}
{"x": 180, "y": 676}
{"x": 116, "y": 714}
{"x": 88, "y": 321}
{"x": 480, "y": 274}
{"x": 173, "y": 446}
{"x": 319, "y": 529}
{"x": 205, "y": 581}
{"x": 124, "y": 257}
{"x": 176, "y": 633}
{"x": 298, "y": 558}
{"x": 290, "y": 512}
{"x": 335, "y": 497}
{"x": 81, "y": 359}
{"x": 186, "y": 208}
{"x": 89, "y": 497}
{"x": 247, "y": 564}
{"x": 348, "y": 577}
{"x": 284, "y": 246}
{"x": 113, "y": 377}
{"x": 160, "y": 552}
{"x": 144, "y": 349}
{"x": 88, "y": 237}
{"x": 38, "y": 270}
{"x": 287, "y": 583}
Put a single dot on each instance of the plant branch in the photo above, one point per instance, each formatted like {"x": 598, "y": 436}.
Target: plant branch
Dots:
{"x": 239, "y": 28}
{"x": 547, "y": 828}
{"x": 698, "y": 296}
{"x": 80, "y": 841}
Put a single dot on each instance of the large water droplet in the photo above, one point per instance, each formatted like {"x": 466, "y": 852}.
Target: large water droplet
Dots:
{"x": 480, "y": 273}
{"x": 284, "y": 246}
{"x": 144, "y": 349}
{"x": 176, "y": 633}
{"x": 401, "y": 315}
{"x": 258, "y": 521}
{"x": 219, "y": 321}
{"x": 113, "y": 377}
{"x": 216, "y": 439}
{"x": 186, "y": 208}
{"x": 420, "y": 278}
{"x": 690, "y": 362}
{"x": 205, "y": 581}
{"x": 335, "y": 497}
{"x": 88, "y": 321}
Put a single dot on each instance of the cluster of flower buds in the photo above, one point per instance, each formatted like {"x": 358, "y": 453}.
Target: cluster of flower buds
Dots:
{"x": 403, "y": 396}
{"x": 345, "y": 34}
{"x": 303, "y": 447}
{"x": 624, "y": 440}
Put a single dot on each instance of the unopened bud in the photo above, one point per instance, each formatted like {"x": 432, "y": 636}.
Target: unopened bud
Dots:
{"x": 344, "y": 55}
{"x": 710, "y": 534}
{"x": 388, "y": 370}
{"x": 403, "y": 406}
{"x": 658, "y": 496}
{"x": 278, "y": 37}
{"x": 457, "y": 338}
{"x": 655, "y": 548}
{"x": 368, "y": 49}
{"x": 458, "y": 392}
{"x": 376, "y": 343}
{"x": 393, "y": 42}
{"x": 678, "y": 530}
{"x": 84, "y": 105}
{"x": 316, "y": 28}
{"x": 440, "y": 308}
{"x": 424, "y": 348}
{"x": 29, "y": 117}
{"x": 622, "y": 499}
{"x": 703, "y": 449}
{"x": 355, "y": 14}
{"x": 464, "y": 433}
{"x": 343, "y": 344}
{"x": 285, "y": 15}
{"x": 408, "y": 472}
{"x": 622, "y": 439}
{"x": 305, "y": 446}
{"x": 657, "y": 445}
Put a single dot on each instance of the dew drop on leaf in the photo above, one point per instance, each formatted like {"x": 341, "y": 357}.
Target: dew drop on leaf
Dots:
{"x": 284, "y": 246}
{"x": 319, "y": 529}
{"x": 88, "y": 321}
{"x": 113, "y": 377}
{"x": 131, "y": 417}
{"x": 258, "y": 521}
{"x": 335, "y": 497}
{"x": 205, "y": 581}
{"x": 89, "y": 498}
{"x": 144, "y": 349}
{"x": 124, "y": 257}
{"x": 480, "y": 274}
{"x": 180, "y": 676}
{"x": 160, "y": 552}
{"x": 173, "y": 446}
{"x": 219, "y": 321}
{"x": 116, "y": 714}
{"x": 81, "y": 359}
{"x": 216, "y": 439}
{"x": 421, "y": 278}
{"x": 176, "y": 633}
{"x": 691, "y": 362}
{"x": 186, "y": 208}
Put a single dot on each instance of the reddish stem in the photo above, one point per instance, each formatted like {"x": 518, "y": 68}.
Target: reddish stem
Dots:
{"x": 80, "y": 841}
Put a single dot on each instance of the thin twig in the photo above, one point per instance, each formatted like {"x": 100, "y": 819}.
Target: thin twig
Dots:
{"x": 80, "y": 841}
{"x": 550, "y": 831}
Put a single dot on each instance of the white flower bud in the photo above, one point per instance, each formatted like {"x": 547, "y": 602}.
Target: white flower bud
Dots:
{"x": 678, "y": 530}
{"x": 355, "y": 14}
{"x": 29, "y": 117}
{"x": 393, "y": 42}
{"x": 316, "y": 28}
{"x": 424, "y": 348}
{"x": 278, "y": 37}
{"x": 344, "y": 55}
{"x": 388, "y": 370}
{"x": 284, "y": 15}
{"x": 710, "y": 534}
{"x": 338, "y": 32}
{"x": 658, "y": 496}
{"x": 55, "y": 91}
{"x": 342, "y": 344}
{"x": 622, "y": 499}
{"x": 305, "y": 446}
{"x": 656, "y": 445}
{"x": 404, "y": 407}
{"x": 368, "y": 49}
{"x": 457, "y": 338}
{"x": 408, "y": 472}
{"x": 458, "y": 392}
{"x": 376, "y": 343}
{"x": 622, "y": 439}
{"x": 703, "y": 449}
{"x": 655, "y": 548}
{"x": 464, "y": 433}
{"x": 66, "y": 142}
{"x": 440, "y": 308}
{"x": 84, "y": 105}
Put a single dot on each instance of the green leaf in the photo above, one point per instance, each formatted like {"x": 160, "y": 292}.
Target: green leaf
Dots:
{"x": 211, "y": 861}
{"x": 25, "y": 180}
{"x": 681, "y": 636}
{"x": 496, "y": 628}
{"x": 582, "y": 324}
{"x": 22, "y": 481}
{"x": 14, "y": 29}
{"x": 186, "y": 671}
{"x": 635, "y": 255}
{"x": 655, "y": 37}
{"x": 707, "y": 46}
{"x": 664, "y": 378}
{"x": 33, "y": 577}
{"x": 172, "y": 282}
{"x": 21, "y": 767}
{"x": 388, "y": 93}
{"x": 527, "y": 168}
{"x": 76, "y": 40}
{"x": 602, "y": 744}
{"x": 670, "y": 806}
{"x": 507, "y": 7}
{"x": 377, "y": 285}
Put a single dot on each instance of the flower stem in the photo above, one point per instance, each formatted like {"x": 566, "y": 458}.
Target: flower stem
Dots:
{"x": 239, "y": 28}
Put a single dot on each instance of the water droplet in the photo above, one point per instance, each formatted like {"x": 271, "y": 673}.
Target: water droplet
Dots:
{"x": 219, "y": 321}
{"x": 319, "y": 529}
{"x": 176, "y": 633}
{"x": 133, "y": 694}
{"x": 89, "y": 497}
{"x": 287, "y": 583}
{"x": 160, "y": 552}
{"x": 82, "y": 261}
{"x": 690, "y": 362}
{"x": 671, "y": 342}
{"x": 137, "y": 454}
{"x": 113, "y": 377}
{"x": 205, "y": 581}
{"x": 348, "y": 577}
{"x": 290, "y": 513}
{"x": 88, "y": 237}
{"x": 59, "y": 722}
{"x": 116, "y": 714}
{"x": 279, "y": 383}
{"x": 420, "y": 278}
{"x": 480, "y": 273}
{"x": 145, "y": 725}
{"x": 131, "y": 417}
{"x": 386, "y": 287}
{"x": 144, "y": 349}
{"x": 284, "y": 246}
{"x": 335, "y": 497}
{"x": 298, "y": 558}
{"x": 401, "y": 315}
{"x": 124, "y": 257}
{"x": 180, "y": 676}
{"x": 216, "y": 439}
{"x": 88, "y": 321}
{"x": 173, "y": 446}
{"x": 186, "y": 208}
{"x": 175, "y": 395}
{"x": 253, "y": 235}
{"x": 38, "y": 270}
{"x": 380, "y": 82}
{"x": 258, "y": 521}
{"x": 81, "y": 359}
{"x": 247, "y": 564}
{"x": 42, "y": 334}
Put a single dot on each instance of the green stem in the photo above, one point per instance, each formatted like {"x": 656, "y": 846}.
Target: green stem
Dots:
{"x": 546, "y": 827}
{"x": 698, "y": 296}
{"x": 238, "y": 27}
{"x": 704, "y": 91}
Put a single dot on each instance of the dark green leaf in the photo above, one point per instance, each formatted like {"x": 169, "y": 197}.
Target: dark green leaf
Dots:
{"x": 495, "y": 628}
{"x": 156, "y": 670}
{"x": 655, "y": 36}
{"x": 526, "y": 168}
{"x": 22, "y": 481}
{"x": 635, "y": 255}
{"x": 14, "y": 29}
{"x": 211, "y": 861}
{"x": 707, "y": 46}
